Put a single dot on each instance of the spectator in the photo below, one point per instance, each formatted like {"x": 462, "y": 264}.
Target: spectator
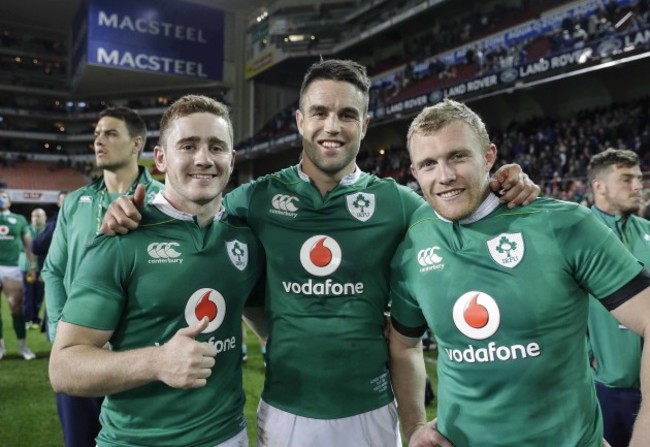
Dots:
{"x": 120, "y": 135}
{"x": 617, "y": 183}
{"x": 41, "y": 244}
{"x": 33, "y": 284}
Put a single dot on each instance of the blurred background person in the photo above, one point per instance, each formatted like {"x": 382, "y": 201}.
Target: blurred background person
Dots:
{"x": 41, "y": 245}
{"x": 120, "y": 136}
{"x": 617, "y": 183}
{"x": 32, "y": 282}
{"x": 14, "y": 238}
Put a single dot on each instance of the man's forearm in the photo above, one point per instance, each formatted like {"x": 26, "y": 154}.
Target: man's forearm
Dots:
{"x": 641, "y": 433}
{"x": 408, "y": 377}
{"x": 86, "y": 370}
{"x": 635, "y": 315}
{"x": 27, "y": 241}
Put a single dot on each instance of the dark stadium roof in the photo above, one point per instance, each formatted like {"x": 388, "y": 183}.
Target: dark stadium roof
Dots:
{"x": 57, "y": 15}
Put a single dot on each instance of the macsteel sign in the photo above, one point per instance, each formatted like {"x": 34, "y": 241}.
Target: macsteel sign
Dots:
{"x": 170, "y": 37}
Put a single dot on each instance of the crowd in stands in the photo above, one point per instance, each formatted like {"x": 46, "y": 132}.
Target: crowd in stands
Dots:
{"x": 421, "y": 66}
{"x": 443, "y": 35}
{"x": 30, "y": 58}
{"x": 48, "y": 122}
{"x": 554, "y": 151}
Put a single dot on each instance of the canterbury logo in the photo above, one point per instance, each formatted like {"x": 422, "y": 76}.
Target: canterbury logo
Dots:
{"x": 163, "y": 250}
{"x": 428, "y": 257}
{"x": 284, "y": 202}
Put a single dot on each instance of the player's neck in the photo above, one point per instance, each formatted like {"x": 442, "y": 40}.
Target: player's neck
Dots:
{"x": 324, "y": 181}
{"x": 204, "y": 212}
{"x": 120, "y": 180}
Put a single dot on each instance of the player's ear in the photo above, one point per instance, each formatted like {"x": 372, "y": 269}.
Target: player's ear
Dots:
{"x": 300, "y": 119}
{"x": 490, "y": 157}
{"x": 160, "y": 158}
{"x": 138, "y": 144}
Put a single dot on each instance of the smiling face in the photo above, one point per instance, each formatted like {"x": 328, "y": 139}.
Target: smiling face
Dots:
{"x": 332, "y": 121}
{"x": 198, "y": 159}
{"x": 452, "y": 168}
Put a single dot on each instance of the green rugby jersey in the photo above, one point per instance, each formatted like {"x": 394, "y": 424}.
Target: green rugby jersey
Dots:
{"x": 507, "y": 298}
{"x": 147, "y": 285}
{"x": 617, "y": 350}
{"x": 77, "y": 224}
{"x": 327, "y": 287}
{"x": 12, "y": 229}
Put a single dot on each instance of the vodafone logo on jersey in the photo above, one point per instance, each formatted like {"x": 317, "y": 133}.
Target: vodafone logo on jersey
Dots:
{"x": 4, "y": 233}
{"x": 320, "y": 255}
{"x": 206, "y": 303}
{"x": 476, "y": 315}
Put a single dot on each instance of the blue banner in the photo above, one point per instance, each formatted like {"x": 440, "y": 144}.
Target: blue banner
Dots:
{"x": 529, "y": 30}
{"x": 171, "y": 37}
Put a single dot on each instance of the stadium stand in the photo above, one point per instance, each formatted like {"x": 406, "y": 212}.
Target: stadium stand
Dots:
{"x": 41, "y": 175}
{"x": 416, "y": 51}
{"x": 566, "y": 71}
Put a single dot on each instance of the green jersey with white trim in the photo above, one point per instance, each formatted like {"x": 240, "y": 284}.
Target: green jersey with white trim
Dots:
{"x": 616, "y": 349}
{"x": 147, "y": 285}
{"x": 507, "y": 298}
{"x": 328, "y": 262}
{"x": 12, "y": 229}
{"x": 77, "y": 224}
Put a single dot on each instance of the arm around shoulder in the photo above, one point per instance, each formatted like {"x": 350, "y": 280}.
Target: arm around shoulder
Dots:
{"x": 635, "y": 314}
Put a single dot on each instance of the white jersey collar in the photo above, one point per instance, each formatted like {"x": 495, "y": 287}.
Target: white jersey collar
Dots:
{"x": 163, "y": 205}
{"x": 348, "y": 180}
{"x": 489, "y": 204}
{"x": 5, "y": 212}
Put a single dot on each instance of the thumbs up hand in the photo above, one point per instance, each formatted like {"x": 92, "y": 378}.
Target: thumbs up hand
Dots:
{"x": 185, "y": 362}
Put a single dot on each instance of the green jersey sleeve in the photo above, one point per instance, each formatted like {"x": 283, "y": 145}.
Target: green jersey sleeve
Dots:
{"x": 97, "y": 296}
{"x": 54, "y": 271}
{"x": 406, "y": 314}
{"x": 237, "y": 201}
{"x": 597, "y": 258}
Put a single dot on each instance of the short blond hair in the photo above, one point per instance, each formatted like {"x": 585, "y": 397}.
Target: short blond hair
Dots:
{"x": 433, "y": 118}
